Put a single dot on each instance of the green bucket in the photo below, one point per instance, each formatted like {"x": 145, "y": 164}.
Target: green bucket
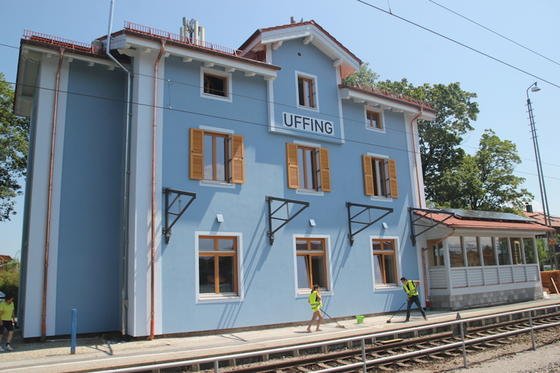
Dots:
{"x": 360, "y": 319}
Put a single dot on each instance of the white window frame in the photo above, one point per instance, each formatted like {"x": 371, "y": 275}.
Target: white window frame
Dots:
{"x": 216, "y": 183}
{"x": 219, "y": 298}
{"x": 220, "y": 73}
{"x": 315, "y": 86}
{"x": 381, "y": 118}
{"x": 303, "y": 293}
{"x": 387, "y": 186}
{"x": 308, "y": 192}
{"x": 397, "y": 263}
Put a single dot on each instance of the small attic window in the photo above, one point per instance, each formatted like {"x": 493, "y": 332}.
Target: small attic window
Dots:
{"x": 307, "y": 96}
{"x": 215, "y": 85}
{"x": 374, "y": 120}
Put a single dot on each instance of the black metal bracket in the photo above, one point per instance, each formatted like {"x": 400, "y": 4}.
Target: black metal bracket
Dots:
{"x": 283, "y": 202}
{"x": 426, "y": 215}
{"x": 365, "y": 224}
{"x": 171, "y": 217}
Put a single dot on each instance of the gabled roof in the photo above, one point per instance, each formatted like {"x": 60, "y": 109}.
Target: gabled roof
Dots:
{"x": 482, "y": 220}
{"x": 539, "y": 216}
{"x": 300, "y": 30}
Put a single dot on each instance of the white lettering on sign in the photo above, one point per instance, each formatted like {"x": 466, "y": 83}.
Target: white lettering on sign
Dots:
{"x": 308, "y": 124}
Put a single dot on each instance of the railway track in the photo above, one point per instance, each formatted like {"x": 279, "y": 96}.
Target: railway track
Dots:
{"x": 399, "y": 349}
{"x": 399, "y": 353}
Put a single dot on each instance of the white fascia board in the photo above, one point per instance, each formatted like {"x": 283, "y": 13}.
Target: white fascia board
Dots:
{"x": 481, "y": 232}
{"x": 320, "y": 40}
{"x": 252, "y": 45}
{"x": 76, "y": 56}
{"x": 347, "y": 93}
{"x": 205, "y": 57}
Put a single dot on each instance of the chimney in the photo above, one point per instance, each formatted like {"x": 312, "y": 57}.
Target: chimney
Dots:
{"x": 529, "y": 208}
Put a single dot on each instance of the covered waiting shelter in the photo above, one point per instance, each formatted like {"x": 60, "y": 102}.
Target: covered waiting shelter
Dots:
{"x": 477, "y": 258}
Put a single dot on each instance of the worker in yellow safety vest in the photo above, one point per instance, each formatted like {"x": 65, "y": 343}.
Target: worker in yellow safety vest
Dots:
{"x": 411, "y": 291}
{"x": 314, "y": 301}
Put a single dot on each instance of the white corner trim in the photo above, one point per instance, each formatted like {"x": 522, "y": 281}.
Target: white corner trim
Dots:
{"x": 225, "y": 298}
{"x": 315, "y": 85}
{"x": 222, "y": 74}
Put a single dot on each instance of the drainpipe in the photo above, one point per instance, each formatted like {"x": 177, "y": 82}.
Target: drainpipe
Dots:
{"x": 126, "y": 177}
{"x": 153, "y": 220}
{"x": 49, "y": 198}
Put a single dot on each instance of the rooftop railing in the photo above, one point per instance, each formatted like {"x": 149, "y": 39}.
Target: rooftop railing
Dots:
{"x": 58, "y": 41}
{"x": 151, "y": 31}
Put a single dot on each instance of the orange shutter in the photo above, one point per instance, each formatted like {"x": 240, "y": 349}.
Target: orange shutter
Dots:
{"x": 196, "y": 163}
{"x": 393, "y": 184}
{"x": 325, "y": 170}
{"x": 292, "y": 165}
{"x": 237, "y": 160}
{"x": 368, "y": 175}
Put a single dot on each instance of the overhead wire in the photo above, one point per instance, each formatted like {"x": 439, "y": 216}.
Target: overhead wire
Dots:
{"x": 238, "y": 120}
{"x": 494, "y": 32}
{"x": 392, "y": 14}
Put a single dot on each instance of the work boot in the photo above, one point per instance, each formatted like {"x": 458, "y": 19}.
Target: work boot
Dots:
{"x": 9, "y": 347}
{"x": 425, "y": 318}
{"x": 406, "y": 320}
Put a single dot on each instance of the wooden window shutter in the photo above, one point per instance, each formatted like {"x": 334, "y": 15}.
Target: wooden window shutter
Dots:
{"x": 237, "y": 160}
{"x": 368, "y": 175}
{"x": 292, "y": 165}
{"x": 325, "y": 170}
{"x": 393, "y": 183}
{"x": 196, "y": 161}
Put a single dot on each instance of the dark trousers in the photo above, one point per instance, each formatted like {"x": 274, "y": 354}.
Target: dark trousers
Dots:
{"x": 414, "y": 299}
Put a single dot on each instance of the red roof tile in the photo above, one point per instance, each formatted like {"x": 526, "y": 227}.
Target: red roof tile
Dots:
{"x": 455, "y": 222}
{"x": 539, "y": 216}
{"x": 391, "y": 96}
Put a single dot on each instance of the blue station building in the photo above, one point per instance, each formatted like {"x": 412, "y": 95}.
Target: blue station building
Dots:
{"x": 205, "y": 188}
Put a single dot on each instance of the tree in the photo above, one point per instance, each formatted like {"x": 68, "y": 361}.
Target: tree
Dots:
{"x": 364, "y": 77}
{"x": 14, "y": 146}
{"x": 440, "y": 139}
{"x": 485, "y": 181}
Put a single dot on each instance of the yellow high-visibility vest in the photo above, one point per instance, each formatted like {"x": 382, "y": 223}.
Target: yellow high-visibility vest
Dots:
{"x": 410, "y": 288}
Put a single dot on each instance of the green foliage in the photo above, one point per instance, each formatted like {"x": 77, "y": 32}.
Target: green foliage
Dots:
{"x": 364, "y": 77}
{"x": 485, "y": 181}
{"x": 9, "y": 278}
{"x": 440, "y": 139}
{"x": 14, "y": 146}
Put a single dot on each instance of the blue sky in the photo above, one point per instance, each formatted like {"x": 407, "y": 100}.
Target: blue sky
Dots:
{"x": 393, "y": 48}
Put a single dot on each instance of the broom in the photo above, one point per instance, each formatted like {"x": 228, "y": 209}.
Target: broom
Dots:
{"x": 394, "y": 313}
{"x": 330, "y": 318}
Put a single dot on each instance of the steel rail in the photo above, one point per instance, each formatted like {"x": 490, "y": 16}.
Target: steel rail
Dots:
{"x": 217, "y": 359}
{"x": 436, "y": 349}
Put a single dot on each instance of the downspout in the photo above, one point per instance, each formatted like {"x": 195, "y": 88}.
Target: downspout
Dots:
{"x": 49, "y": 198}
{"x": 153, "y": 220}
{"x": 126, "y": 177}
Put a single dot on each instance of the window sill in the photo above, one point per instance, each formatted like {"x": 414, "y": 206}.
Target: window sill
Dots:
{"x": 218, "y": 298}
{"x": 378, "y": 130}
{"x": 216, "y": 184}
{"x": 304, "y": 293}
{"x": 381, "y": 198}
{"x": 310, "y": 192}
{"x": 387, "y": 287}
{"x": 216, "y": 97}
{"x": 315, "y": 109}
